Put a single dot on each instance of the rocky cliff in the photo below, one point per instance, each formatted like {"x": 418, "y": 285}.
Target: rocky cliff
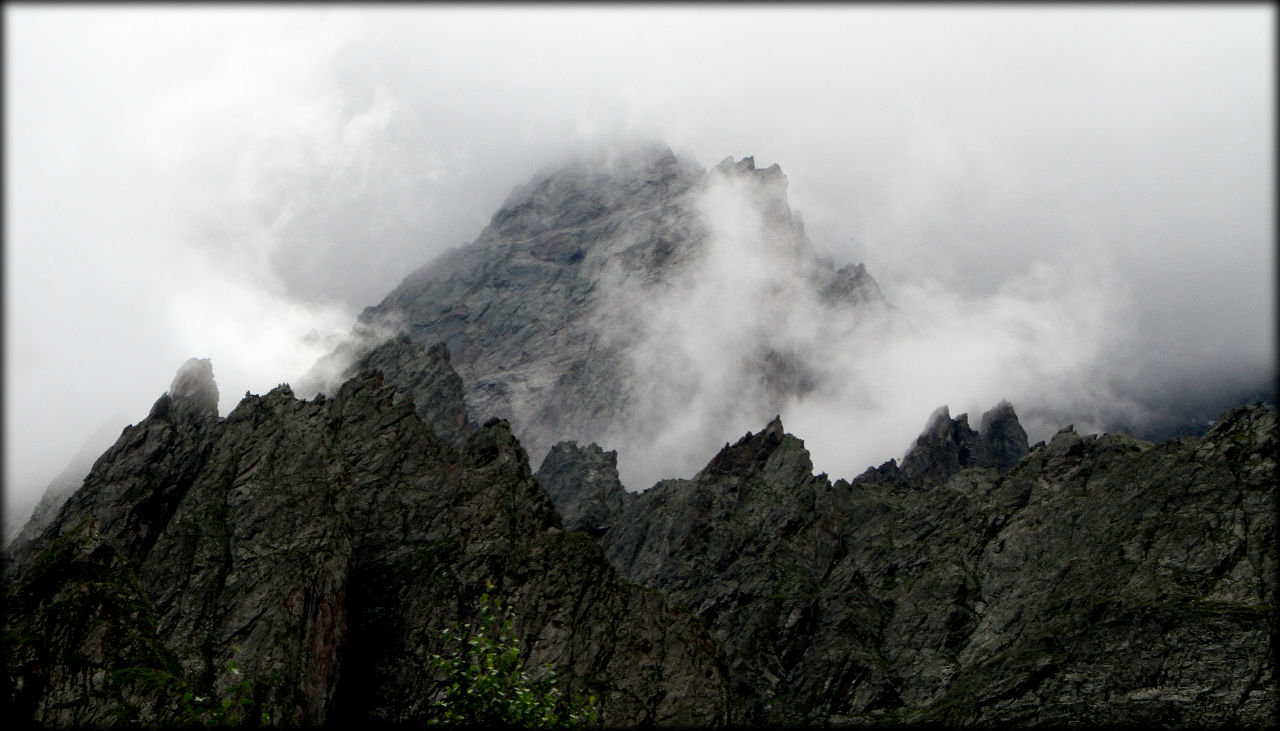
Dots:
{"x": 323, "y": 546}
{"x": 305, "y": 554}
{"x": 425, "y": 375}
{"x": 1097, "y": 580}
{"x": 542, "y": 314}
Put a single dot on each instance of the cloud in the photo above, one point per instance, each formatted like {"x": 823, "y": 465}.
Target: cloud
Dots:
{"x": 1042, "y": 341}
{"x": 861, "y": 381}
{"x": 246, "y": 173}
{"x": 142, "y": 220}
{"x": 695, "y": 343}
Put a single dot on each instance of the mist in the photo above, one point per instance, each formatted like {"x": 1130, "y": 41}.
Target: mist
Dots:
{"x": 743, "y": 332}
{"x": 1072, "y": 206}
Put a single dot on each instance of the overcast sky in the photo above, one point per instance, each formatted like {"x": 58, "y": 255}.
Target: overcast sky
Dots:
{"x": 237, "y": 182}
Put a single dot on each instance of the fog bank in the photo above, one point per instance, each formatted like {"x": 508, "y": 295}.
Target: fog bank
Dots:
{"x": 1075, "y": 199}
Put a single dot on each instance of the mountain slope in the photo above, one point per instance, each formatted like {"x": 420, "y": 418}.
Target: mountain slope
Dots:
{"x": 325, "y": 545}
{"x": 1098, "y": 580}
{"x": 584, "y": 310}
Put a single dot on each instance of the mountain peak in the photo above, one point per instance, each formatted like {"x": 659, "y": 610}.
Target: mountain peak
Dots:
{"x": 949, "y": 445}
{"x": 774, "y": 427}
{"x": 751, "y": 452}
{"x": 591, "y": 186}
{"x": 194, "y": 385}
{"x": 1004, "y": 439}
{"x": 746, "y": 168}
{"x": 553, "y": 315}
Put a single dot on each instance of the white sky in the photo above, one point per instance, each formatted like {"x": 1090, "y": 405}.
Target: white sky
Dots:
{"x": 237, "y": 182}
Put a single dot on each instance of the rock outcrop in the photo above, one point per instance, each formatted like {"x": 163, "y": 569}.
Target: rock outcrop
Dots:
{"x": 194, "y": 386}
{"x": 583, "y": 483}
{"x": 423, "y": 374}
{"x": 1098, "y": 580}
{"x": 81, "y": 643}
{"x": 324, "y": 546}
{"x": 746, "y": 544}
{"x": 21, "y": 528}
{"x": 949, "y": 445}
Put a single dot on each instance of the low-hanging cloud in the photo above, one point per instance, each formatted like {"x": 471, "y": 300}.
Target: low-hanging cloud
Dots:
{"x": 236, "y": 183}
{"x": 1042, "y": 342}
{"x": 703, "y": 345}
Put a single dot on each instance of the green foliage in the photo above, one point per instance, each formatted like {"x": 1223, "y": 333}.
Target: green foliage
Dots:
{"x": 485, "y": 685}
{"x": 231, "y": 709}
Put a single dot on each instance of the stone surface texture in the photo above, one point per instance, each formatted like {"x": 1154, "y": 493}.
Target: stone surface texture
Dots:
{"x": 324, "y": 546}
{"x": 1099, "y": 580}
{"x": 324, "y": 543}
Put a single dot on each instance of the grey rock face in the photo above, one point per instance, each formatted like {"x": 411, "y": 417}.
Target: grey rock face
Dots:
{"x": 80, "y": 641}
{"x": 195, "y": 387}
{"x": 583, "y": 483}
{"x": 746, "y": 544}
{"x": 1093, "y": 580}
{"x": 1140, "y": 578}
{"x": 61, "y": 488}
{"x": 522, "y": 291}
{"x": 423, "y": 374}
{"x": 149, "y": 469}
{"x": 949, "y": 445}
{"x": 1100, "y": 580}
{"x": 1003, "y": 440}
{"x": 332, "y": 541}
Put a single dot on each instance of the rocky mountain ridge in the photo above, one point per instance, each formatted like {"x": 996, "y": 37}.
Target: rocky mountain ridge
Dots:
{"x": 324, "y": 545}
{"x": 321, "y": 545}
{"x": 1098, "y": 580}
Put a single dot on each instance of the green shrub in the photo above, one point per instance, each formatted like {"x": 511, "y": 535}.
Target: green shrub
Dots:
{"x": 231, "y": 709}
{"x": 485, "y": 685}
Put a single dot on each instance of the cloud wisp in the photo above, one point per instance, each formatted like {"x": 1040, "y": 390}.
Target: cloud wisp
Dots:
{"x": 706, "y": 347}
{"x": 236, "y": 183}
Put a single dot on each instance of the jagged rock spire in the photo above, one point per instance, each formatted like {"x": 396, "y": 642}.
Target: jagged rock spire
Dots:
{"x": 195, "y": 385}
{"x": 1003, "y": 439}
{"x": 948, "y": 445}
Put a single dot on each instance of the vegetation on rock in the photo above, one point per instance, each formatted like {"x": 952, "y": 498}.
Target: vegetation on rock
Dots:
{"x": 486, "y": 685}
